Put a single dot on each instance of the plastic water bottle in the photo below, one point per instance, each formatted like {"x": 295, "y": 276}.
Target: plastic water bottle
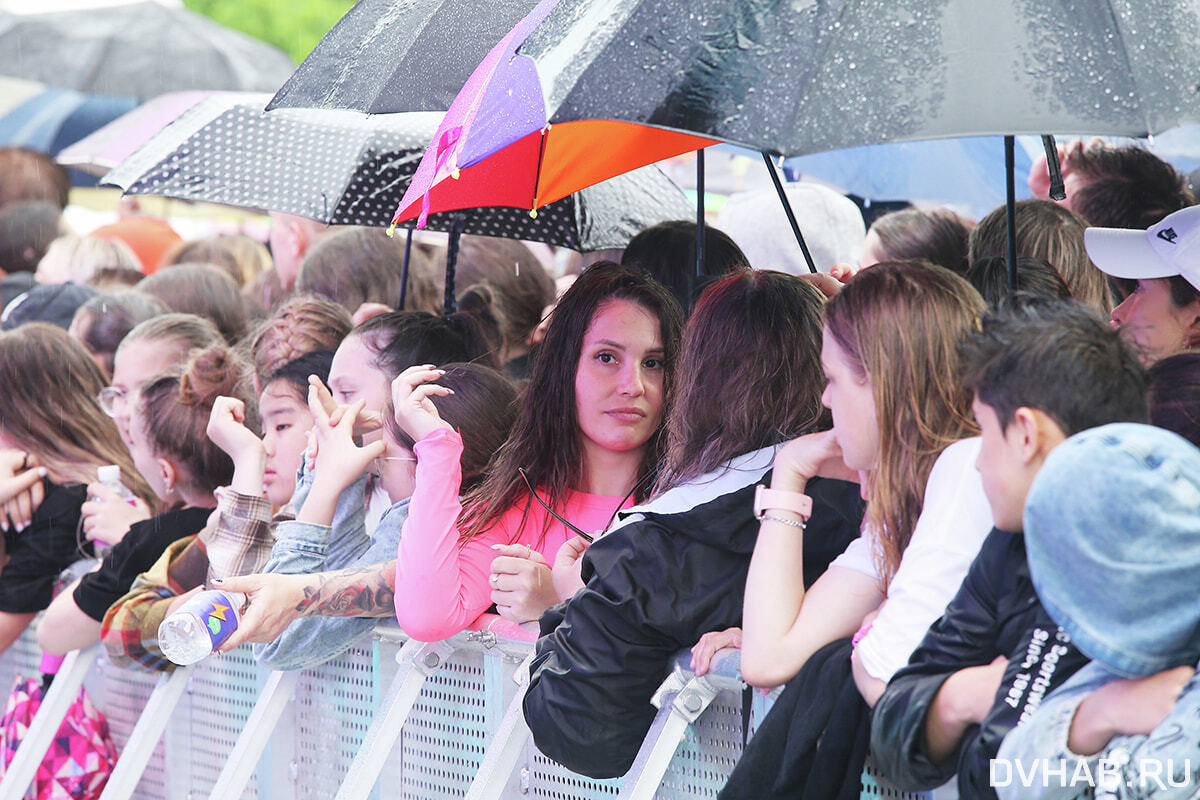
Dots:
{"x": 200, "y": 626}
{"x": 109, "y": 477}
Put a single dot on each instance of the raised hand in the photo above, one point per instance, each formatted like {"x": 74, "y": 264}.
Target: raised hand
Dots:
{"x": 415, "y": 412}
{"x": 227, "y": 429}
{"x": 21, "y": 489}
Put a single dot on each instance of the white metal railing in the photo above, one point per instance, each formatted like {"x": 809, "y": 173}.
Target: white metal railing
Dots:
{"x": 435, "y": 720}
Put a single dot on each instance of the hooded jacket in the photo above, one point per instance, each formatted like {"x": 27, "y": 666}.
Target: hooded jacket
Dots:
{"x": 674, "y": 570}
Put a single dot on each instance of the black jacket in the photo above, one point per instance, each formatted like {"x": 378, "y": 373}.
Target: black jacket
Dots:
{"x": 996, "y": 612}
{"x": 652, "y": 588}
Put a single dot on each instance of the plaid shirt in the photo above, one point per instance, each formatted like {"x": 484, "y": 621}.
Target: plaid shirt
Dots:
{"x": 236, "y": 541}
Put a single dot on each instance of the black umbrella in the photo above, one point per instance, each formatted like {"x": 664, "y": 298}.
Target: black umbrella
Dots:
{"x": 390, "y": 56}
{"x": 137, "y": 48}
{"x": 346, "y": 168}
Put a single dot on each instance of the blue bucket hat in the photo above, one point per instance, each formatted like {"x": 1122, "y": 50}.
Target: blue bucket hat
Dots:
{"x": 1112, "y": 531}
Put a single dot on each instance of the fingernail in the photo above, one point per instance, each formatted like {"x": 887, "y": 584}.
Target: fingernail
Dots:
{"x": 41, "y": 472}
{"x": 497, "y": 546}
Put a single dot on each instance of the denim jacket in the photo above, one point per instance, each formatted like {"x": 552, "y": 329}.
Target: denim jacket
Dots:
{"x": 302, "y": 547}
{"x": 1162, "y": 766}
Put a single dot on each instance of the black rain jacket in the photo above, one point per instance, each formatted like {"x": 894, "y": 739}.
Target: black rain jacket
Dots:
{"x": 652, "y": 588}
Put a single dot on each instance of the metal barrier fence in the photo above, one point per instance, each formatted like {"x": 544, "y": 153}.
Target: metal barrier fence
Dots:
{"x": 311, "y": 727}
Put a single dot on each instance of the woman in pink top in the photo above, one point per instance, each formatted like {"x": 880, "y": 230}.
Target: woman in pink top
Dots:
{"x": 585, "y": 444}
{"x": 587, "y": 437}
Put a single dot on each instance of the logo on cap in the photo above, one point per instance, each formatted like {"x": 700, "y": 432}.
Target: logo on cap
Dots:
{"x": 1168, "y": 235}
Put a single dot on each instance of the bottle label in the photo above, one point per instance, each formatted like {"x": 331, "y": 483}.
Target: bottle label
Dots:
{"x": 218, "y": 616}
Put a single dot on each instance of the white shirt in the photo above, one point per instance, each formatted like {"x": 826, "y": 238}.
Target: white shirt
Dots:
{"x": 955, "y": 519}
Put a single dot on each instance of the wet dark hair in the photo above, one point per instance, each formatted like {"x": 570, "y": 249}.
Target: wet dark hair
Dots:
{"x": 939, "y": 236}
{"x": 202, "y": 290}
{"x": 1125, "y": 187}
{"x": 1182, "y": 292}
{"x": 109, "y": 318}
{"x": 1173, "y": 393}
{"x": 175, "y": 408}
{"x": 401, "y": 339}
{"x": 667, "y": 253}
{"x": 1035, "y": 277}
{"x": 295, "y": 372}
{"x": 1059, "y": 357}
{"x": 545, "y": 438}
{"x": 482, "y": 409}
{"x": 749, "y": 373}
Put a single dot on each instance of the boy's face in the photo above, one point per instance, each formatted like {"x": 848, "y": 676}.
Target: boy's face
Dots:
{"x": 1005, "y": 466}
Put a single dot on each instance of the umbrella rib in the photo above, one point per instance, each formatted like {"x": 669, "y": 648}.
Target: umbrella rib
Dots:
{"x": 1129, "y": 68}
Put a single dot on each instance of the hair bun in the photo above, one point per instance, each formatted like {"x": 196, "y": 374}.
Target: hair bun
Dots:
{"x": 210, "y": 373}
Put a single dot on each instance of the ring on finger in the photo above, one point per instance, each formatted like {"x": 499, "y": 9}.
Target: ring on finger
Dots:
{"x": 495, "y": 580}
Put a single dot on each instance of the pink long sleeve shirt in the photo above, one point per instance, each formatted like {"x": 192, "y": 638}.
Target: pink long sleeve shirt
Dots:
{"x": 442, "y": 584}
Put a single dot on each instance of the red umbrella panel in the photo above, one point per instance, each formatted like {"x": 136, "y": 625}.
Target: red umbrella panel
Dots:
{"x": 496, "y": 147}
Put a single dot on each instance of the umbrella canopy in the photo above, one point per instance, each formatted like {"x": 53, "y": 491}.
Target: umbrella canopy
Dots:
{"x": 46, "y": 119}
{"x": 391, "y": 56}
{"x": 803, "y": 77}
{"x": 963, "y": 172}
{"x": 136, "y": 48}
{"x": 103, "y": 149}
{"x": 346, "y": 168}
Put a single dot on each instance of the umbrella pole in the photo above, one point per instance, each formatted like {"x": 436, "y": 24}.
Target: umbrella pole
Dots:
{"x": 450, "y": 302}
{"x": 1057, "y": 190}
{"x": 787, "y": 209}
{"x": 699, "y": 215}
{"x": 404, "y": 269}
{"x": 1010, "y": 207}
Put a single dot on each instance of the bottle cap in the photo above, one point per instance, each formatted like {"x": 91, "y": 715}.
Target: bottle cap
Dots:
{"x": 110, "y": 473}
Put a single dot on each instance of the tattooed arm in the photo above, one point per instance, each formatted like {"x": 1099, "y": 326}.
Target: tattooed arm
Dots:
{"x": 276, "y": 600}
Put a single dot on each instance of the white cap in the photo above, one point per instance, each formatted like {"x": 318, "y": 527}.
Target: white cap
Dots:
{"x": 1170, "y": 247}
{"x": 110, "y": 473}
{"x": 832, "y": 227}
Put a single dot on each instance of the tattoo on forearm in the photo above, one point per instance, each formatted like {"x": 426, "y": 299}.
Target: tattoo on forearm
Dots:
{"x": 351, "y": 592}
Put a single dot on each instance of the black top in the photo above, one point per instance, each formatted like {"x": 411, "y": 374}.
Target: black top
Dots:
{"x": 39, "y": 553}
{"x": 995, "y": 613}
{"x": 652, "y": 588}
{"x": 133, "y": 555}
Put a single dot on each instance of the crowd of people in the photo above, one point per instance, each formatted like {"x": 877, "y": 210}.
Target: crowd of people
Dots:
{"x": 953, "y": 517}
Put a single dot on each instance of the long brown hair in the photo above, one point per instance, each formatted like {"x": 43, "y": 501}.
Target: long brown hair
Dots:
{"x": 901, "y": 323}
{"x": 749, "y": 373}
{"x": 545, "y": 438}
{"x": 48, "y": 407}
{"x": 1046, "y": 230}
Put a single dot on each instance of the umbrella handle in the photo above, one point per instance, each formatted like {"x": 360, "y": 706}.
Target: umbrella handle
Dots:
{"x": 1057, "y": 190}
{"x": 787, "y": 209}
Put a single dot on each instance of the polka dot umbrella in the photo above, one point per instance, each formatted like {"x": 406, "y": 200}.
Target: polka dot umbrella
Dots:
{"x": 346, "y": 168}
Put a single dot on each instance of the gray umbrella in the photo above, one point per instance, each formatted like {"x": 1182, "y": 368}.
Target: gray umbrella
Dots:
{"x": 346, "y": 168}
{"x": 139, "y": 48}
{"x": 801, "y": 76}
{"x": 390, "y": 56}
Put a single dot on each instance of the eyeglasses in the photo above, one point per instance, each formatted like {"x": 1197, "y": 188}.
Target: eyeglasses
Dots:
{"x": 110, "y": 398}
{"x": 377, "y": 462}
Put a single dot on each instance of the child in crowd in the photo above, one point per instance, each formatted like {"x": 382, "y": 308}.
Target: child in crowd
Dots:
{"x": 1040, "y": 373}
{"x": 170, "y": 449}
{"x": 238, "y": 539}
{"x": 1112, "y": 532}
